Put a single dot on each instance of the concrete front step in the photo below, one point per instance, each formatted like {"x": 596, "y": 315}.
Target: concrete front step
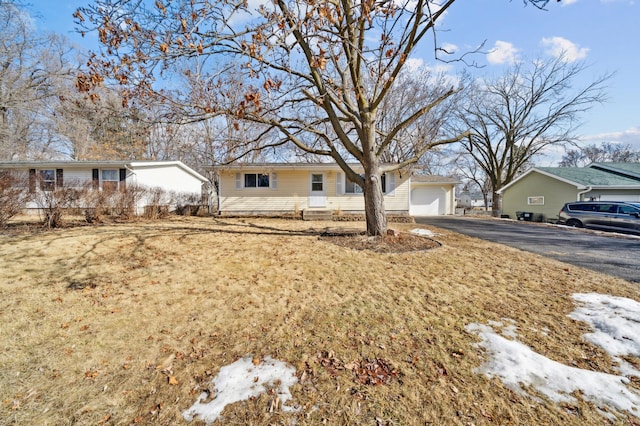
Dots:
{"x": 317, "y": 214}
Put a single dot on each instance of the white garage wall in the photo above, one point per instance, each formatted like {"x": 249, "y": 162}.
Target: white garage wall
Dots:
{"x": 170, "y": 178}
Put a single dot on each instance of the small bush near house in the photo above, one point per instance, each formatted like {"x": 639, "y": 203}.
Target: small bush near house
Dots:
{"x": 126, "y": 202}
{"x": 158, "y": 202}
{"x": 98, "y": 205}
{"x": 54, "y": 203}
{"x": 13, "y": 195}
{"x": 187, "y": 204}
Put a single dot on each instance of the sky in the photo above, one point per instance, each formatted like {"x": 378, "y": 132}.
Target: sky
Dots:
{"x": 603, "y": 33}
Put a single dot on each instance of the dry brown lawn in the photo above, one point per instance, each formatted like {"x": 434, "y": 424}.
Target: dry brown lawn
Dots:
{"x": 128, "y": 323}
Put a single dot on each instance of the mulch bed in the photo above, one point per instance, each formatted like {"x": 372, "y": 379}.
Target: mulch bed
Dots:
{"x": 398, "y": 242}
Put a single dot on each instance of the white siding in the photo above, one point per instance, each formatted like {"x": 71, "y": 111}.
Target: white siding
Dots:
{"x": 170, "y": 178}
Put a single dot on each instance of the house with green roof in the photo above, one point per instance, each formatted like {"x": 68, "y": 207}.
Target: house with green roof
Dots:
{"x": 539, "y": 193}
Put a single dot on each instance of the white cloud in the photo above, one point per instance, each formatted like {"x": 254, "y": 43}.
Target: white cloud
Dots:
{"x": 561, "y": 47}
{"x": 568, "y": 2}
{"x": 503, "y": 52}
{"x": 630, "y": 136}
{"x": 414, "y": 63}
{"x": 449, "y": 48}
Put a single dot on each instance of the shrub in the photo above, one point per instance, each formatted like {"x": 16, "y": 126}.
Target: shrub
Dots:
{"x": 55, "y": 202}
{"x": 14, "y": 195}
{"x": 187, "y": 204}
{"x": 99, "y": 204}
{"x": 158, "y": 202}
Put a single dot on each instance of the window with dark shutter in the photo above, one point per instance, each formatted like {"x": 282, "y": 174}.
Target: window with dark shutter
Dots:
{"x": 95, "y": 178}
{"x": 59, "y": 178}
{"x": 123, "y": 180}
{"x": 32, "y": 180}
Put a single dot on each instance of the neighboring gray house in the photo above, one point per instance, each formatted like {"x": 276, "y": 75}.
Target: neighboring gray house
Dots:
{"x": 169, "y": 176}
{"x": 542, "y": 191}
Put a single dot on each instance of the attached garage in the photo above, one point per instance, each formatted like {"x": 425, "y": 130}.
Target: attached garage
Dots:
{"x": 432, "y": 195}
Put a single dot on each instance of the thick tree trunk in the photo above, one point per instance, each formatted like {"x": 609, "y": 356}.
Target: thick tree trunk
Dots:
{"x": 374, "y": 202}
{"x": 496, "y": 209}
{"x": 375, "y": 214}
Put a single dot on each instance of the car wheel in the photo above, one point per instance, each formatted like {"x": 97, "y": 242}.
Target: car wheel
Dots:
{"x": 574, "y": 223}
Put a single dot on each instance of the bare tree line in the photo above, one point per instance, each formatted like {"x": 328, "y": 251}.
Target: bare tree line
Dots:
{"x": 286, "y": 86}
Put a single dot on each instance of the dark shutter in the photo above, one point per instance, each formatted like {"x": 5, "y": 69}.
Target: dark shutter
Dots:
{"x": 32, "y": 180}
{"x": 95, "y": 178}
{"x": 123, "y": 180}
{"x": 59, "y": 178}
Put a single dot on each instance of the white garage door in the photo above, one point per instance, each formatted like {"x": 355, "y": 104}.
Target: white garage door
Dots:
{"x": 427, "y": 201}
{"x": 613, "y": 197}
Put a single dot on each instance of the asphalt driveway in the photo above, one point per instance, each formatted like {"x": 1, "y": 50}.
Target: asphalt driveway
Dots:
{"x": 611, "y": 254}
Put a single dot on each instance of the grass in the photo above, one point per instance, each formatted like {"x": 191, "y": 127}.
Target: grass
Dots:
{"x": 128, "y": 323}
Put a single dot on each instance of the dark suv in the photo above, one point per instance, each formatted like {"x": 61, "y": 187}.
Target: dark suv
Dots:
{"x": 606, "y": 215}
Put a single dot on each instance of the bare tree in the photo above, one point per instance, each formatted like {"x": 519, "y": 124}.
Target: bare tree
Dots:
{"x": 514, "y": 117}
{"x": 314, "y": 74}
{"x": 36, "y": 71}
{"x": 474, "y": 176}
{"x": 14, "y": 194}
{"x": 605, "y": 152}
{"x": 100, "y": 128}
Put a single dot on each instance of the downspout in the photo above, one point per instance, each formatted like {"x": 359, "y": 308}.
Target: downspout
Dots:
{"x": 126, "y": 167}
{"x": 589, "y": 188}
{"x": 216, "y": 176}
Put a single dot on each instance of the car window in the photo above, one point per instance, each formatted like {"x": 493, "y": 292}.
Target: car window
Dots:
{"x": 607, "y": 208}
{"x": 628, "y": 210}
{"x": 580, "y": 207}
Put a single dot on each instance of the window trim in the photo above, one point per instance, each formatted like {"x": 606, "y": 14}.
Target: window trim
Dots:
{"x": 241, "y": 180}
{"x": 322, "y": 182}
{"x": 114, "y": 182}
{"x": 535, "y": 200}
{"x": 47, "y": 185}
{"x": 355, "y": 185}
{"x": 387, "y": 180}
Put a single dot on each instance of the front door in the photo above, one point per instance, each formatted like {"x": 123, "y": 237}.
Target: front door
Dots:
{"x": 317, "y": 194}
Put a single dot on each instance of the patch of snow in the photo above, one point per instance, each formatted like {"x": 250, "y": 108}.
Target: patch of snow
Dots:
{"x": 509, "y": 330}
{"x": 516, "y": 364}
{"x": 240, "y": 381}
{"x": 615, "y": 320}
{"x": 423, "y": 232}
{"x": 616, "y": 325}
